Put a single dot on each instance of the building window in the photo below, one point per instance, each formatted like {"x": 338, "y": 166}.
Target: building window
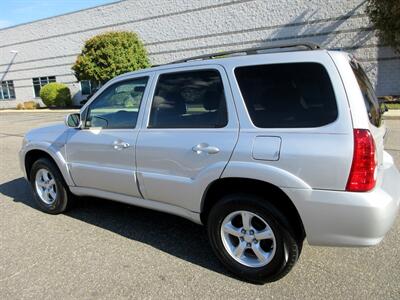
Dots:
{"x": 39, "y": 82}
{"x": 7, "y": 90}
{"x": 88, "y": 87}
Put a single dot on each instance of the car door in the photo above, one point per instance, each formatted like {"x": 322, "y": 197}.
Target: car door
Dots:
{"x": 188, "y": 135}
{"x": 101, "y": 154}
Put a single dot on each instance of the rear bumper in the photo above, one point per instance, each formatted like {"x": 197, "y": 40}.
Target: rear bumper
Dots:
{"x": 339, "y": 218}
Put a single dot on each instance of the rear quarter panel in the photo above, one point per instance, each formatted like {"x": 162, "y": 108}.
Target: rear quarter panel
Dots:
{"x": 359, "y": 114}
{"x": 319, "y": 157}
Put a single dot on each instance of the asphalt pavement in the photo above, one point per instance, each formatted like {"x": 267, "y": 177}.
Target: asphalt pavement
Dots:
{"x": 103, "y": 249}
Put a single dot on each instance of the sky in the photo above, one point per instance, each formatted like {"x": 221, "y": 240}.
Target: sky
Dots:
{"x": 14, "y": 12}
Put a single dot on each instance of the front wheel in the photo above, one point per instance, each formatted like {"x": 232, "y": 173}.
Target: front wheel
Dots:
{"x": 251, "y": 238}
{"x": 49, "y": 188}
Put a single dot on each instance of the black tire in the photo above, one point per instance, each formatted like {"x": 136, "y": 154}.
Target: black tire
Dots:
{"x": 287, "y": 249}
{"x": 60, "y": 203}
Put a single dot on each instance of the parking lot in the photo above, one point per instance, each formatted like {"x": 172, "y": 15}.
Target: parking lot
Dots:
{"x": 103, "y": 249}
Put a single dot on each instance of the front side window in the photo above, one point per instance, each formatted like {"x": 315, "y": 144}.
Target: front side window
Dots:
{"x": 190, "y": 99}
{"x": 370, "y": 99}
{"x": 291, "y": 95}
{"x": 7, "y": 90}
{"x": 39, "y": 82}
{"x": 117, "y": 107}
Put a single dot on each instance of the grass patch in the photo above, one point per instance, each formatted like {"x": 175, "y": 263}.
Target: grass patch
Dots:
{"x": 393, "y": 105}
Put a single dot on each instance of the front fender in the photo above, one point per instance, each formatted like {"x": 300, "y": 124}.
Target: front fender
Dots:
{"x": 54, "y": 151}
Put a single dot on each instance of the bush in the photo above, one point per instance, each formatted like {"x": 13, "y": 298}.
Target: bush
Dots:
{"x": 28, "y": 105}
{"x": 55, "y": 94}
{"x": 385, "y": 15}
{"x": 110, "y": 54}
{"x": 31, "y": 105}
{"x": 389, "y": 99}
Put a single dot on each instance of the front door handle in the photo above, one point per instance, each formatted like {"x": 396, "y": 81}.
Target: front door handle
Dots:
{"x": 118, "y": 145}
{"x": 204, "y": 147}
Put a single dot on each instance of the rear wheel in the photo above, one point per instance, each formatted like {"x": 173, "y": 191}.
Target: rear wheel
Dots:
{"x": 252, "y": 239}
{"x": 49, "y": 189}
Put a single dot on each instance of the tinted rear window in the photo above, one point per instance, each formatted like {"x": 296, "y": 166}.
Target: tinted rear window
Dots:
{"x": 287, "y": 95}
{"x": 370, "y": 99}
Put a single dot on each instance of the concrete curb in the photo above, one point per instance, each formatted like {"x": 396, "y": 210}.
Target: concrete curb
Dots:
{"x": 38, "y": 110}
{"x": 393, "y": 114}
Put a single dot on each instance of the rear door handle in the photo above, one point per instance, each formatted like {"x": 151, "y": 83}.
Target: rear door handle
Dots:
{"x": 204, "y": 147}
{"x": 117, "y": 145}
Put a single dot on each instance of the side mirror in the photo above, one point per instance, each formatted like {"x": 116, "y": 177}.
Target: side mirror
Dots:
{"x": 73, "y": 120}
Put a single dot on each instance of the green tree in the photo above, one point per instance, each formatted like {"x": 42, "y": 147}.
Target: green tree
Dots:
{"x": 110, "y": 54}
{"x": 385, "y": 15}
{"x": 55, "y": 94}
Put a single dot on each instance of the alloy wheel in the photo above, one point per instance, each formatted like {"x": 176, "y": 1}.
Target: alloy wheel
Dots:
{"x": 248, "y": 238}
{"x": 45, "y": 185}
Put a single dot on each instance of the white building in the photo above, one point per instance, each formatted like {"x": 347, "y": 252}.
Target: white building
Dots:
{"x": 38, "y": 52}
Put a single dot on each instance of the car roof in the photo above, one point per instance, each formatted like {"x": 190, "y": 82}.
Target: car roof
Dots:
{"x": 228, "y": 60}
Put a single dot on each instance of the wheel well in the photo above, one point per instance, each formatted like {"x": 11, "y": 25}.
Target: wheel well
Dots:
{"x": 276, "y": 197}
{"x": 33, "y": 156}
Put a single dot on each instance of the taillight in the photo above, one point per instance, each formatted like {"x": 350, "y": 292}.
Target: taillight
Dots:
{"x": 362, "y": 176}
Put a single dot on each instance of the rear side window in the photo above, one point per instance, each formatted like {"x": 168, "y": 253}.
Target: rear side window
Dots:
{"x": 193, "y": 99}
{"x": 289, "y": 95}
{"x": 370, "y": 99}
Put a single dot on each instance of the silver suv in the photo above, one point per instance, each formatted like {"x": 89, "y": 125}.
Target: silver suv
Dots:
{"x": 264, "y": 149}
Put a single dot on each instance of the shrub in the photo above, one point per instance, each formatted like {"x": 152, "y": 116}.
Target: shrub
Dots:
{"x": 389, "y": 99}
{"x": 386, "y": 98}
{"x": 55, "y": 94}
{"x": 385, "y": 15}
{"x": 31, "y": 105}
{"x": 28, "y": 105}
{"x": 110, "y": 54}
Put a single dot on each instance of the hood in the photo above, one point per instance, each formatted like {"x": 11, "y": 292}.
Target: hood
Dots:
{"x": 53, "y": 134}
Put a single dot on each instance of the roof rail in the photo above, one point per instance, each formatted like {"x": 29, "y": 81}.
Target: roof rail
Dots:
{"x": 248, "y": 51}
